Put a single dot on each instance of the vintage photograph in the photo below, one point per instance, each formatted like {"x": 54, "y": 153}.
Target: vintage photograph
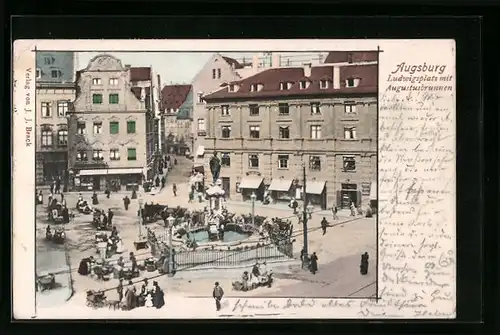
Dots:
{"x": 205, "y": 175}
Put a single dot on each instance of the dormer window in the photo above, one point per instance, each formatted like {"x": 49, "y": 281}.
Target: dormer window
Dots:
{"x": 323, "y": 84}
{"x": 282, "y": 86}
{"x": 256, "y": 87}
{"x": 288, "y": 86}
{"x": 304, "y": 84}
{"x": 349, "y": 57}
{"x": 233, "y": 88}
{"x": 352, "y": 82}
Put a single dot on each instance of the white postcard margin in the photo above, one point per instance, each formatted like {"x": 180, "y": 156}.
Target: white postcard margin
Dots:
{"x": 417, "y": 244}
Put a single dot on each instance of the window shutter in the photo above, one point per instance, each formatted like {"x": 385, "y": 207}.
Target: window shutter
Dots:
{"x": 358, "y": 202}
{"x": 339, "y": 199}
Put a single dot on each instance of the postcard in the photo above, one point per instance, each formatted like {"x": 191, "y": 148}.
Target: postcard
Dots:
{"x": 170, "y": 179}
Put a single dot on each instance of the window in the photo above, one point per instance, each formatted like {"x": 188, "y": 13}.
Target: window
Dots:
{"x": 46, "y": 111}
{"x": 253, "y": 161}
{"x": 114, "y": 154}
{"x": 254, "y": 131}
{"x": 284, "y": 132}
{"x": 232, "y": 88}
{"x": 62, "y": 108}
{"x": 254, "y": 110}
{"x": 96, "y": 81}
{"x": 285, "y": 86}
{"x": 48, "y": 60}
{"x": 284, "y": 109}
{"x": 350, "y": 108}
{"x": 113, "y": 82}
{"x": 46, "y": 138}
{"x": 316, "y": 132}
{"x": 352, "y": 82}
{"x": 225, "y": 110}
{"x": 54, "y": 73}
{"x": 114, "y": 127}
{"x": 97, "y": 155}
{"x": 323, "y": 84}
{"x": 350, "y": 133}
{"x": 131, "y": 154}
{"x": 130, "y": 127}
{"x": 97, "y": 127}
{"x": 214, "y": 74}
{"x": 282, "y": 86}
{"x": 226, "y": 131}
{"x": 349, "y": 163}
{"x": 200, "y": 98}
{"x": 97, "y": 98}
{"x": 225, "y": 159}
{"x": 283, "y": 161}
{"x": 315, "y": 108}
{"x": 218, "y": 73}
{"x": 81, "y": 156}
{"x": 315, "y": 163}
{"x": 38, "y": 74}
{"x": 349, "y": 57}
{"x": 80, "y": 127}
{"x": 201, "y": 125}
{"x": 303, "y": 85}
{"x": 113, "y": 98}
{"x": 62, "y": 137}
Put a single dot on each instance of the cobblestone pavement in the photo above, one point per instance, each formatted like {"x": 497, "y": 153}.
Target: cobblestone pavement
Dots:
{"x": 338, "y": 251}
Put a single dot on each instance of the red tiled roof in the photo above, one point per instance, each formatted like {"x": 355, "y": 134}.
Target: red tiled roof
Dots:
{"x": 233, "y": 62}
{"x": 173, "y": 96}
{"x": 271, "y": 79}
{"x": 140, "y": 73}
{"x": 357, "y": 56}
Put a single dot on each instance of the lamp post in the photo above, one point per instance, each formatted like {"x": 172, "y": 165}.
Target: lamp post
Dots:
{"x": 170, "y": 222}
{"x": 305, "y": 217}
{"x": 141, "y": 202}
{"x": 253, "y": 197}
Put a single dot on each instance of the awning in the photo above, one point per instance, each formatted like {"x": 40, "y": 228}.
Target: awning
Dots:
{"x": 200, "y": 151}
{"x": 315, "y": 187}
{"x": 251, "y": 183}
{"x": 104, "y": 172}
{"x": 281, "y": 185}
{"x": 373, "y": 190}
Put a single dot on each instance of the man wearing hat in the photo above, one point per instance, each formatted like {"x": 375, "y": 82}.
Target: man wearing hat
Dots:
{"x": 218, "y": 293}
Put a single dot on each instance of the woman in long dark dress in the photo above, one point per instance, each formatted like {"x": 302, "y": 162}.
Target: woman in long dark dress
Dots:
{"x": 84, "y": 268}
{"x": 363, "y": 267}
{"x": 158, "y": 296}
{"x": 314, "y": 263}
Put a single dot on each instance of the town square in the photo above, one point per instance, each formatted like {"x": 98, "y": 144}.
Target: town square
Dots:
{"x": 255, "y": 179}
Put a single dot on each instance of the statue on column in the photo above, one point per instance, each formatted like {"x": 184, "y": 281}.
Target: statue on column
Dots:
{"x": 215, "y": 167}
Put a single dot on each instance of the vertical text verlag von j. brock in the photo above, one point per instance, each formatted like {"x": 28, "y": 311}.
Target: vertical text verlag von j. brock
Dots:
{"x": 28, "y": 106}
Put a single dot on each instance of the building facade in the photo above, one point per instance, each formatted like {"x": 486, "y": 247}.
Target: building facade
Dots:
{"x": 107, "y": 127}
{"x": 177, "y": 112}
{"x": 270, "y": 128}
{"x": 55, "y": 91}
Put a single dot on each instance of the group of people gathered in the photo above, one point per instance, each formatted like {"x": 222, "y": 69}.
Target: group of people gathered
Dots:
{"x": 55, "y": 208}
{"x": 146, "y": 297}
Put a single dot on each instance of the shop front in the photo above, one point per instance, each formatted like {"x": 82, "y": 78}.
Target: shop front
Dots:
{"x": 348, "y": 194}
{"x": 251, "y": 185}
{"x": 97, "y": 179}
{"x": 281, "y": 190}
{"x": 316, "y": 193}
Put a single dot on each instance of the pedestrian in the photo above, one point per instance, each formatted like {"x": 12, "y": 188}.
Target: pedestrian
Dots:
{"x": 158, "y": 296}
{"x": 163, "y": 181}
{"x": 157, "y": 181}
{"x": 133, "y": 260}
{"x": 119, "y": 289}
{"x": 314, "y": 263}
{"x": 63, "y": 200}
{"x": 174, "y": 189}
{"x": 363, "y": 267}
{"x": 40, "y": 197}
{"x": 302, "y": 254}
{"x": 353, "y": 209}
{"x": 107, "y": 192}
{"x": 334, "y": 212}
{"x": 95, "y": 201}
{"x": 126, "y": 202}
{"x": 324, "y": 225}
{"x": 58, "y": 185}
{"x": 110, "y": 216}
{"x": 218, "y": 293}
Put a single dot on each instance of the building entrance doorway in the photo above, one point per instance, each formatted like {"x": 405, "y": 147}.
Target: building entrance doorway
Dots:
{"x": 348, "y": 195}
{"x": 226, "y": 186}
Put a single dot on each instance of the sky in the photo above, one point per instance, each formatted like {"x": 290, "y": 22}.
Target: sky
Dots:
{"x": 173, "y": 67}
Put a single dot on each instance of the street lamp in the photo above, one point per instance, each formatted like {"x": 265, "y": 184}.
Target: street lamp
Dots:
{"x": 253, "y": 197}
{"x": 305, "y": 217}
{"x": 141, "y": 202}
{"x": 309, "y": 209}
{"x": 170, "y": 222}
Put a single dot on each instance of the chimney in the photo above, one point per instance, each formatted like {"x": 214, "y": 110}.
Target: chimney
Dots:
{"x": 275, "y": 60}
{"x": 307, "y": 69}
{"x": 255, "y": 63}
{"x": 336, "y": 77}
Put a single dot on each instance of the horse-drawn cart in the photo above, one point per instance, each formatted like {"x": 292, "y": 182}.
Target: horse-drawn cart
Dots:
{"x": 46, "y": 282}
